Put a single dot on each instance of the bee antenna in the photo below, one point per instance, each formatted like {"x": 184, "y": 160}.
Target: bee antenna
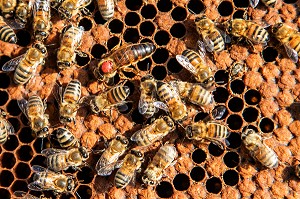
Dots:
{"x": 220, "y": 82}
{"x": 77, "y": 194}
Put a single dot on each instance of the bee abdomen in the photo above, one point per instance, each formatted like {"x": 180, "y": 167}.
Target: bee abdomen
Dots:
{"x": 73, "y": 91}
{"x": 106, "y": 8}
{"x": 201, "y": 96}
{"x": 217, "y": 130}
{"x": 258, "y": 34}
{"x": 66, "y": 139}
{"x": 295, "y": 44}
{"x": 218, "y": 41}
{"x": 3, "y": 133}
{"x": 121, "y": 180}
{"x": 22, "y": 74}
{"x": 267, "y": 157}
{"x": 7, "y": 34}
{"x": 56, "y": 162}
{"x": 118, "y": 94}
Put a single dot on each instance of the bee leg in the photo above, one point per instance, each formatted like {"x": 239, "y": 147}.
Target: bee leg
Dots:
{"x": 85, "y": 11}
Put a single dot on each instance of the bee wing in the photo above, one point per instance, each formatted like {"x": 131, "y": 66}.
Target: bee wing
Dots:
{"x": 38, "y": 168}
{"x": 20, "y": 194}
{"x": 14, "y": 24}
{"x": 51, "y": 151}
{"x": 201, "y": 49}
{"x": 122, "y": 107}
{"x": 209, "y": 44}
{"x": 135, "y": 137}
{"x": 143, "y": 105}
{"x": 218, "y": 143}
{"x": 218, "y": 112}
{"x": 57, "y": 92}
{"x": 226, "y": 37}
{"x": 12, "y": 64}
{"x": 184, "y": 62}
{"x": 253, "y": 3}
{"x": 161, "y": 105}
{"x": 9, "y": 127}
{"x": 23, "y": 106}
{"x": 108, "y": 169}
{"x": 292, "y": 53}
{"x": 34, "y": 186}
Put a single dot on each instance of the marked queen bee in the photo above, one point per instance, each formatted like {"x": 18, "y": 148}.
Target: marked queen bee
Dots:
{"x": 120, "y": 59}
{"x": 44, "y": 180}
{"x": 41, "y": 19}
{"x": 258, "y": 149}
{"x": 25, "y": 65}
{"x": 289, "y": 38}
{"x": 6, "y": 128}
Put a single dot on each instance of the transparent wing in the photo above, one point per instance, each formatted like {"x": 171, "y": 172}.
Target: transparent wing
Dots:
{"x": 14, "y": 24}
{"x": 51, "y": 151}
{"x": 12, "y": 64}
{"x": 226, "y": 37}
{"x": 122, "y": 107}
{"x": 23, "y": 106}
{"x": 292, "y": 53}
{"x": 107, "y": 169}
{"x": 218, "y": 143}
{"x": 20, "y": 193}
{"x": 218, "y": 112}
{"x": 253, "y": 3}
{"x": 184, "y": 62}
{"x": 209, "y": 44}
{"x": 143, "y": 104}
{"x": 161, "y": 105}
{"x": 201, "y": 49}
{"x": 38, "y": 168}
{"x": 34, "y": 186}
{"x": 136, "y": 136}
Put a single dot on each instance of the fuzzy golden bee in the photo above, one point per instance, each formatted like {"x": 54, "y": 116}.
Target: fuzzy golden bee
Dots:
{"x": 44, "y": 180}
{"x": 23, "y": 12}
{"x": 130, "y": 165}
{"x": 41, "y": 19}
{"x": 213, "y": 38}
{"x": 69, "y": 8}
{"x": 69, "y": 101}
{"x": 66, "y": 139}
{"x": 252, "y": 32}
{"x": 193, "y": 93}
{"x": 24, "y": 195}
{"x": 195, "y": 64}
{"x": 34, "y": 110}
{"x": 164, "y": 158}
{"x": 153, "y": 132}
{"x": 173, "y": 103}
{"x": 106, "y": 8}
{"x": 109, "y": 159}
{"x": 7, "y": 8}
{"x": 70, "y": 41}
{"x": 6, "y": 128}
{"x": 6, "y": 32}
{"x": 120, "y": 59}
{"x": 269, "y": 3}
{"x": 258, "y": 149}
{"x": 59, "y": 160}
{"x": 289, "y": 38}
{"x": 116, "y": 96}
{"x": 25, "y": 65}
{"x": 147, "y": 102}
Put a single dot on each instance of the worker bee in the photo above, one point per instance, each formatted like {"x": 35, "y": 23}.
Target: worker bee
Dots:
{"x": 109, "y": 159}
{"x": 24, "y": 195}
{"x": 290, "y": 38}
{"x": 69, "y": 8}
{"x": 130, "y": 165}
{"x": 69, "y": 101}
{"x": 174, "y": 104}
{"x": 106, "y": 8}
{"x": 59, "y": 159}
{"x": 214, "y": 39}
{"x": 66, "y": 139}
{"x": 25, "y": 65}
{"x": 6, "y": 32}
{"x": 147, "y": 104}
{"x": 297, "y": 170}
{"x": 120, "y": 59}
{"x": 70, "y": 40}
{"x": 269, "y": 3}
{"x": 44, "y": 180}
{"x": 192, "y": 92}
{"x": 6, "y": 128}
{"x": 23, "y": 12}
{"x": 41, "y": 19}
{"x": 164, "y": 157}
{"x": 196, "y": 64}
{"x": 259, "y": 150}
{"x": 8, "y": 8}
{"x": 153, "y": 132}
{"x": 249, "y": 30}
{"x": 237, "y": 70}
{"x": 34, "y": 110}
{"x": 116, "y": 96}
{"x": 209, "y": 130}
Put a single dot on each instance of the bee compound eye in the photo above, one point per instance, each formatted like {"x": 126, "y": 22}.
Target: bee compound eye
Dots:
{"x": 69, "y": 119}
{"x": 151, "y": 182}
{"x": 45, "y": 129}
{"x": 118, "y": 137}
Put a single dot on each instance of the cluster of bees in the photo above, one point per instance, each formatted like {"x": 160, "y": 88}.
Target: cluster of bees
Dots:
{"x": 171, "y": 96}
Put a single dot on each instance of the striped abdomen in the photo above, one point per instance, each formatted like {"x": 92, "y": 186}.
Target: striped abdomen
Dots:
{"x": 200, "y": 96}
{"x": 132, "y": 54}
{"x": 151, "y": 108}
{"x": 215, "y": 130}
{"x": 269, "y": 3}
{"x": 217, "y": 40}
{"x": 106, "y": 8}
{"x": 164, "y": 156}
{"x": 7, "y": 34}
{"x": 295, "y": 43}
{"x": 35, "y": 106}
{"x": 166, "y": 92}
{"x": 72, "y": 92}
{"x": 72, "y": 37}
{"x": 3, "y": 131}
{"x": 118, "y": 94}
{"x": 194, "y": 58}
{"x": 57, "y": 162}
{"x": 66, "y": 139}
{"x": 256, "y": 33}
{"x": 266, "y": 156}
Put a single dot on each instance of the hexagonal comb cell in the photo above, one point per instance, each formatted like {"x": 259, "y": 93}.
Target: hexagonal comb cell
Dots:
{"x": 6, "y": 178}
{"x": 8, "y": 160}
{"x": 214, "y": 185}
{"x": 197, "y": 174}
{"x": 221, "y": 77}
{"x": 225, "y": 8}
{"x": 231, "y": 177}
{"x": 231, "y": 159}
{"x": 199, "y": 156}
{"x": 4, "y": 80}
{"x": 266, "y": 125}
{"x": 3, "y": 97}
{"x": 181, "y": 182}
{"x": 174, "y": 66}
{"x": 252, "y": 97}
{"x": 164, "y": 189}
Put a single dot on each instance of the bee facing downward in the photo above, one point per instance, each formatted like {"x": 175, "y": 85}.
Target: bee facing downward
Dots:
{"x": 6, "y": 128}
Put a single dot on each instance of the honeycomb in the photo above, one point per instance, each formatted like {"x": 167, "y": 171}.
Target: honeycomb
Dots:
{"x": 263, "y": 99}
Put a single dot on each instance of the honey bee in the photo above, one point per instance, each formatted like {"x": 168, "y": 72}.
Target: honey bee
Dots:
{"x": 23, "y": 12}
{"x": 174, "y": 104}
{"x": 196, "y": 64}
{"x": 8, "y": 8}
{"x": 6, "y": 128}
{"x": 109, "y": 159}
{"x": 69, "y": 101}
{"x": 25, "y": 65}
{"x": 70, "y": 8}
{"x": 34, "y": 110}
{"x": 6, "y": 33}
{"x": 24, "y": 195}
{"x": 70, "y": 40}
{"x": 41, "y": 19}
{"x": 164, "y": 157}
{"x": 269, "y": 3}
{"x": 214, "y": 39}
{"x": 290, "y": 38}
{"x": 120, "y": 59}
{"x": 66, "y": 139}
{"x": 259, "y": 150}
{"x": 209, "y": 130}
{"x": 59, "y": 160}
{"x": 131, "y": 164}
{"x": 147, "y": 104}
{"x": 249, "y": 30}
{"x": 116, "y": 96}
{"x": 194, "y": 93}
{"x": 106, "y": 8}
{"x": 237, "y": 70}
{"x": 44, "y": 180}
{"x": 297, "y": 170}
{"x": 153, "y": 132}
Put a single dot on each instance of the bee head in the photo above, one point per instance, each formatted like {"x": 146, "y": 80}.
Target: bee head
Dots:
{"x": 122, "y": 139}
{"x": 63, "y": 64}
{"x": 147, "y": 77}
{"x": 147, "y": 181}
{"x": 276, "y": 27}
{"x": 40, "y": 47}
{"x": 84, "y": 152}
{"x": 199, "y": 18}
{"x": 98, "y": 74}
{"x": 169, "y": 121}
{"x": 189, "y": 132}
{"x": 70, "y": 184}
{"x": 63, "y": 119}
{"x": 138, "y": 154}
